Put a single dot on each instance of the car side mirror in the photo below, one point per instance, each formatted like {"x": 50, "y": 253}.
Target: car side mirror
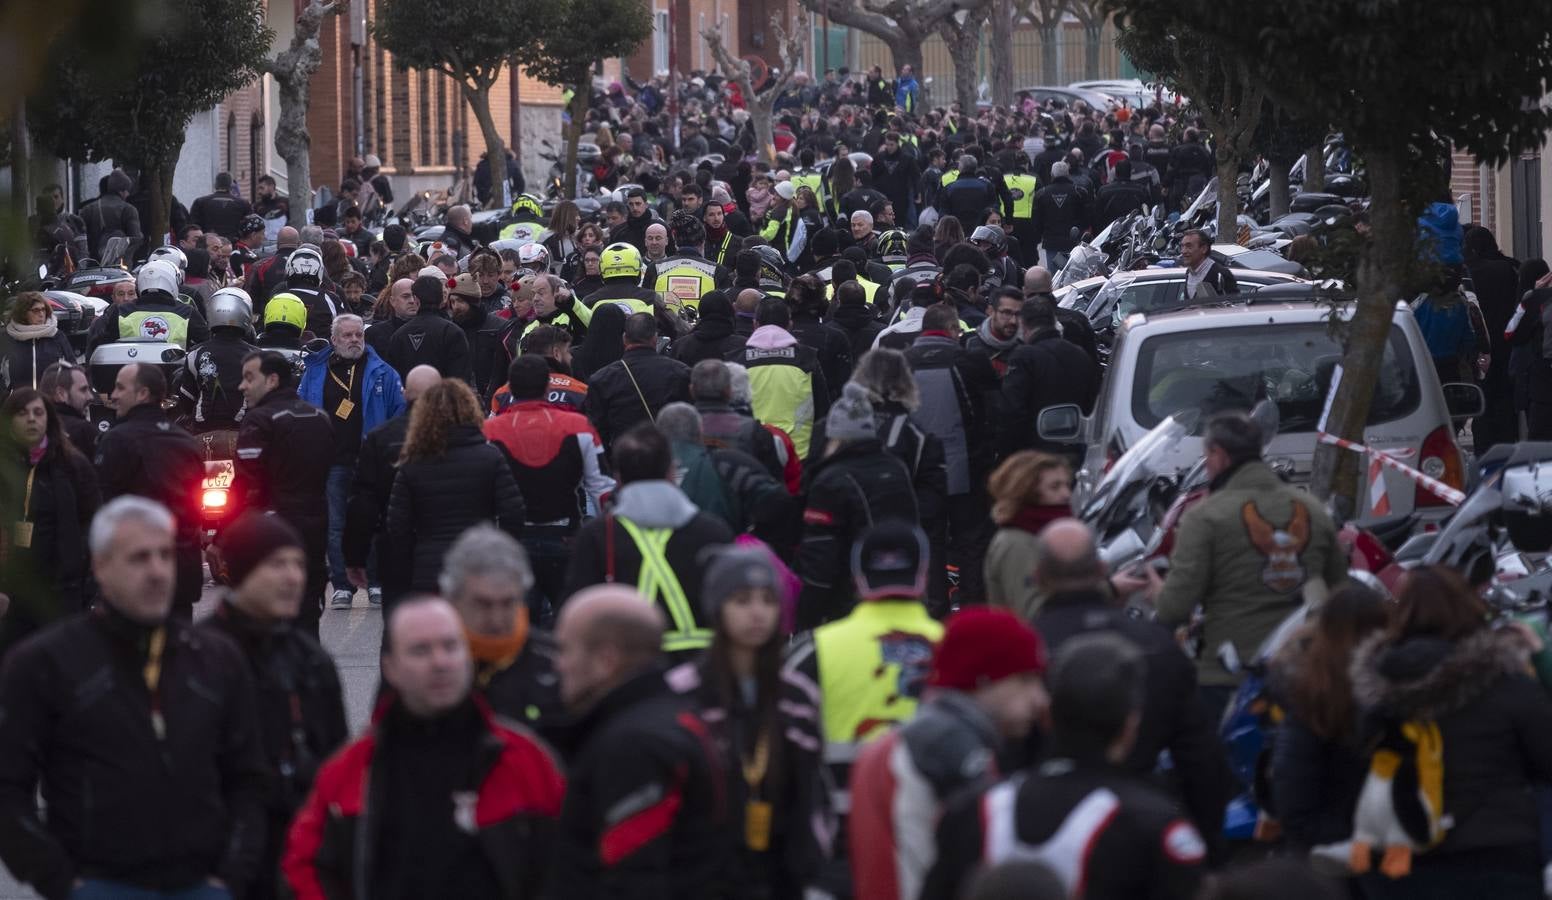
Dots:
{"x": 1463, "y": 400}
{"x": 1060, "y": 424}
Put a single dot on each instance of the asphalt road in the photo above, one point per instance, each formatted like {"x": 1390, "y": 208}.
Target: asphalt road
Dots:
{"x": 353, "y": 637}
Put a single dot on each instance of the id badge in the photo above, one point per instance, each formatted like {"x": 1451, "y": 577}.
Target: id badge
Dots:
{"x": 345, "y": 408}
{"x": 23, "y": 535}
{"x": 757, "y": 825}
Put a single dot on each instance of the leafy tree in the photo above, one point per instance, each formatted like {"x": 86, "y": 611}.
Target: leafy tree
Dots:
{"x": 137, "y": 114}
{"x": 1226, "y": 88}
{"x": 293, "y": 71}
{"x": 761, "y": 103}
{"x": 573, "y": 36}
{"x": 1396, "y": 78}
{"x": 470, "y": 41}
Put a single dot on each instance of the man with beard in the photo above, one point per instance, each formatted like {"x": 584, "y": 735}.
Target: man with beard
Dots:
{"x": 362, "y": 391}
{"x": 721, "y": 245}
{"x": 267, "y": 203}
{"x": 997, "y": 336}
{"x": 634, "y": 229}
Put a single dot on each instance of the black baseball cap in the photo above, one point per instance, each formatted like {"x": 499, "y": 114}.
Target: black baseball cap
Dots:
{"x": 890, "y": 560}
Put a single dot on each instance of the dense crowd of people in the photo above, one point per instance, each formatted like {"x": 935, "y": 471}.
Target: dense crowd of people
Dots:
{"x": 717, "y": 552}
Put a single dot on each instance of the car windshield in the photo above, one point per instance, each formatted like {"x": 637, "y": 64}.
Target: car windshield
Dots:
{"x": 1125, "y": 294}
{"x": 1222, "y": 369}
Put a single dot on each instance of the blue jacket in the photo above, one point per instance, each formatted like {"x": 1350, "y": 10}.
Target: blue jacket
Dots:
{"x": 382, "y": 395}
{"x": 1441, "y": 234}
{"x": 907, "y": 89}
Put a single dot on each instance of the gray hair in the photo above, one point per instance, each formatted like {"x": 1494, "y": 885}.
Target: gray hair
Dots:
{"x": 680, "y": 422}
{"x": 710, "y": 380}
{"x": 123, "y": 510}
{"x": 344, "y": 318}
{"x": 862, "y": 215}
{"x": 1059, "y": 169}
{"x": 887, "y": 376}
{"x": 738, "y": 377}
{"x": 480, "y": 551}
{"x": 312, "y": 234}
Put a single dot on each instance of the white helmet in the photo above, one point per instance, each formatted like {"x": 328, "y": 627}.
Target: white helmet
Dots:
{"x": 306, "y": 262}
{"x": 231, "y": 308}
{"x": 533, "y": 256}
{"x": 173, "y": 255}
{"x": 157, "y": 275}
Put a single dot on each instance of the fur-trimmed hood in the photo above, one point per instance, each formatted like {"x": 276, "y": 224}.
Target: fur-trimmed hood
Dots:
{"x": 1431, "y": 677}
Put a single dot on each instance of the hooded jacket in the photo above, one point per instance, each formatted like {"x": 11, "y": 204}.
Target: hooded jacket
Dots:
{"x": 714, "y": 336}
{"x": 604, "y": 551}
{"x": 787, "y": 381}
{"x": 860, "y": 325}
{"x": 1495, "y": 720}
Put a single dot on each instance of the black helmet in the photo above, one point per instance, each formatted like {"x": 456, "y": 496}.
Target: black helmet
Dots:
{"x": 773, "y": 272}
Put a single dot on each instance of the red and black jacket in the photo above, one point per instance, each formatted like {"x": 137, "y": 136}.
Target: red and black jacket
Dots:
{"x": 330, "y": 854}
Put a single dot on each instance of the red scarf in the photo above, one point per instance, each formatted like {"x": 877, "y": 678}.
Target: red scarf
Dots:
{"x": 1034, "y": 519}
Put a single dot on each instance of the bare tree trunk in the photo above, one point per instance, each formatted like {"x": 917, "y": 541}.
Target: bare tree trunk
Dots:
{"x": 1004, "y": 18}
{"x": 1277, "y": 174}
{"x": 1091, "y": 35}
{"x": 579, "y": 100}
{"x": 1228, "y": 194}
{"x": 964, "y": 44}
{"x": 495, "y": 149}
{"x": 21, "y": 196}
{"x": 764, "y": 134}
{"x": 1315, "y": 168}
{"x": 1380, "y": 275}
{"x": 293, "y": 72}
{"x": 1048, "y": 68}
{"x": 158, "y": 177}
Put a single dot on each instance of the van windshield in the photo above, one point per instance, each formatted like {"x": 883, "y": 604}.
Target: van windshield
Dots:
{"x": 1224, "y": 369}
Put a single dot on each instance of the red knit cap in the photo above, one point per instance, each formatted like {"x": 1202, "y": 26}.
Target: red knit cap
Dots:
{"x": 983, "y": 644}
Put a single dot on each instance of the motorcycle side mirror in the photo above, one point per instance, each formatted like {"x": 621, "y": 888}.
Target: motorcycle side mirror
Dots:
{"x": 1074, "y": 232}
{"x": 42, "y": 271}
{"x": 1160, "y": 242}
{"x": 173, "y": 355}
{"x": 1060, "y": 424}
{"x": 1463, "y": 400}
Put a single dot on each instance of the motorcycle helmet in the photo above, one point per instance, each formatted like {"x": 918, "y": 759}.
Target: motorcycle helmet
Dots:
{"x": 230, "y": 308}
{"x": 773, "y": 272}
{"x": 158, "y": 276}
{"x": 285, "y": 309}
{"x": 620, "y": 260}
{"x": 173, "y": 255}
{"x": 892, "y": 246}
{"x": 534, "y": 256}
{"x": 528, "y": 205}
{"x": 305, "y": 262}
{"x": 992, "y": 237}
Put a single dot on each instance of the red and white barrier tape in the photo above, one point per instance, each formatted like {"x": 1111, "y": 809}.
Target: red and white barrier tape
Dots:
{"x": 1426, "y": 482}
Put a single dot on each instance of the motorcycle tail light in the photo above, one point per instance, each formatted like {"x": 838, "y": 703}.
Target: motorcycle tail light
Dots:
{"x": 1440, "y": 459}
{"x": 214, "y": 499}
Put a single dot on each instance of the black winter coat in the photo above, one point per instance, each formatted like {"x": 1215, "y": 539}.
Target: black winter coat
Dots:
{"x": 366, "y": 513}
{"x": 285, "y": 448}
{"x": 22, "y": 362}
{"x": 857, "y": 486}
{"x": 526, "y": 689}
{"x": 711, "y": 339}
{"x": 645, "y": 817}
{"x": 111, "y": 216}
{"x": 1115, "y": 200}
{"x": 436, "y": 500}
{"x": 220, "y": 212}
{"x": 1047, "y": 371}
{"x": 147, "y": 455}
{"x": 860, "y": 326}
{"x": 632, "y": 390}
{"x": 833, "y": 346}
{"x": 1496, "y": 724}
{"x": 1173, "y": 718}
{"x": 431, "y": 338}
{"x": 379, "y": 333}
{"x": 47, "y": 580}
{"x": 1060, "y": 206}
{"x": 123, "y": 805}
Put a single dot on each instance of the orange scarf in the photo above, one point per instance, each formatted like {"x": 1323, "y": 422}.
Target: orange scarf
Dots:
{"x": 500, "y": 651}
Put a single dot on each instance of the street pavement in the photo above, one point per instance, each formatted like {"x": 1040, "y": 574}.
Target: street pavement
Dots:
{"x": 352, "y": 636}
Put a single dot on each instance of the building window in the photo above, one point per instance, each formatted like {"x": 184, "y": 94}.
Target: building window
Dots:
{"x": 255, "y": 152}
{"x": 441, "y": 117}
{"x": 380, "y": 106}
{"x": 660, "y": 41}
{"x": 231, "y": 142}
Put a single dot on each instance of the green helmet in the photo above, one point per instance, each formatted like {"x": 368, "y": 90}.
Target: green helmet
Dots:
{"x": 620, "y": 260}
{"x": 286, "y": 309}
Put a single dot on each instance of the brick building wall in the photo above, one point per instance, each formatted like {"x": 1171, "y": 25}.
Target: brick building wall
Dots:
{"x": 1466, "y": 181}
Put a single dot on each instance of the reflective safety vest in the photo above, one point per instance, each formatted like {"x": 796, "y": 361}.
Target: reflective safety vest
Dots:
{"x": 160, "y": 324}
{"x": 687, "y": 277}
{"x": 584, "y": 314}
{"x": 1023, "y": 189}
{"x": 868, "y": 287}
{"x": 657, "y": 582}
{"x": 810, "y": 179}
{"x": 872, "y": 666}
{"x": 949, "y": 177}
{"x": 723, "y": 251}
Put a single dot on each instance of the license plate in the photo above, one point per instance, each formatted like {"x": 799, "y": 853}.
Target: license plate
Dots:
{"x": 219, "y": 474}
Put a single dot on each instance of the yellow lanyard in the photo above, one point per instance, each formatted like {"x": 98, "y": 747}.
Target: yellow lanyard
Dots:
{"x": 27, "y": 494}
{"x": 351, "y": 385}
{"x": 754, "y": 768}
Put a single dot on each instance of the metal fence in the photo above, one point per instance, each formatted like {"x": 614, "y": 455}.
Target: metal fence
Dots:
{"x": 1073, "y": 62}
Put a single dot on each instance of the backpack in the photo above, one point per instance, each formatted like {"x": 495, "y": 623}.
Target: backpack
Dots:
{"x": 700, "y": 481}
{"x": 1400, "y": 808}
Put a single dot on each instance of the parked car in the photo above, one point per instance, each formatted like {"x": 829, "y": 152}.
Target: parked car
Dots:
{"x": 1215, "y": 358}
{"x": 1068, "y": 95}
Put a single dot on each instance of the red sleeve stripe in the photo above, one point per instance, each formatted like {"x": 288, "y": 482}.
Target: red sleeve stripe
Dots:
{"x": 640, "y": 829}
